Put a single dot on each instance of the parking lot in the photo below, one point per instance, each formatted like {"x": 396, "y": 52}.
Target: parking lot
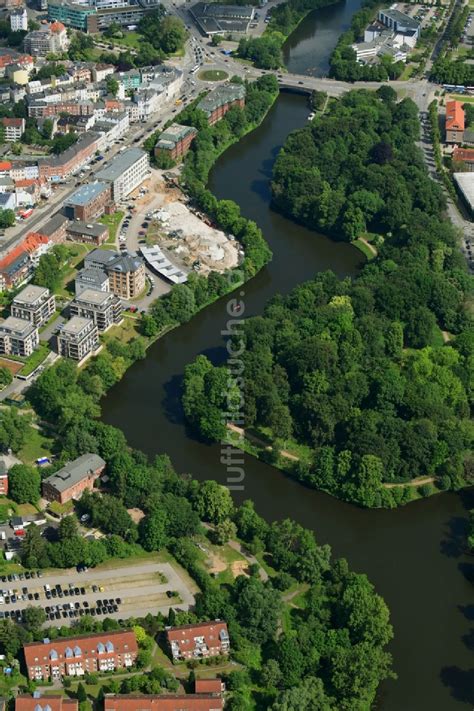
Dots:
{"x": 120, "y": 593}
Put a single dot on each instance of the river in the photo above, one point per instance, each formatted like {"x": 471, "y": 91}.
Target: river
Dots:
{"x": 414, "y": 555}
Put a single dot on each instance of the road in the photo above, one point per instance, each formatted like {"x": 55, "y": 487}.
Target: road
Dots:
{"x": 138, "y": 586}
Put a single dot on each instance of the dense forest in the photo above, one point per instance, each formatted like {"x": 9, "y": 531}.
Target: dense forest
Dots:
{"x": 356, "y": 369}
{"x": 325, "y": 650}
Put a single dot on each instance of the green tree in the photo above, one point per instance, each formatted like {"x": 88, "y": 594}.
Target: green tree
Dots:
{"x": 35, "y": 617}
{"x": 112, "y": 85}
{"x": 213, "y": 502}
{"x": 152, "y": 531}
{"x": 24, "y": 484}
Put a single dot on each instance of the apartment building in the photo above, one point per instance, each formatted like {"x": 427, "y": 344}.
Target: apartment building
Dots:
{"x": 75, "y": 656}
{"x": 196, "y": 641}
{"x": 35, "y": 304}
{"x": 49, "y": 38}
{"x": 95, "y": 279}
{"x": 455, "y": 122}
{"x": 18, "y": 337}
{"x": 88, "y": 202}
{"x": 125, "y": 172}
{"x": 19, "y": 20}
{"x": 38, "y": 702}
{"x": 78, "y": 338}
{"x": 126, "y": 271}
{"x": 70, "y": 161}
{"x": 217, "y": 103}
{"x": 102, "y": 307}
{"x": 87, "y": 233}
{"x": 73, "y": 479}
{"x": 14, "y": 128}
{"x": 175, "y": 141}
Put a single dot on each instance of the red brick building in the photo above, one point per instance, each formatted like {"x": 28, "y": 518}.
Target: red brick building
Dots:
{"x": 25, "y": 702}
{"x": 464, "y": 155}
{"x": 73, "y": 479}
{"x": 3, "y": 478}
{"x": 74, "y": 656}
{"x": 70, "y": 160}
{"x": 175, "y": 141}
{"x": 217, "y": 103}
{"x": 88, "y": 202}
{"x": 455, "y": 121}
{"x": 207, "y": 639}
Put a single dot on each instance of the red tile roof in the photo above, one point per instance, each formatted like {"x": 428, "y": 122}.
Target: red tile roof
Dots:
{"x": 31, "y": 242}
{"x": 122, "y": 642}
{"x": 165, "y": 702}
{"x": 463, "y": 154}
{"x": 25, "y": 702}
{"x": 208, "y": 686}
{"x": 5, "y": 165}
{"x": 454, "y": 116}
{"x": 184, "y": 635}
{"x": 18, "y": 122}
{"x": 5, "y": 60}
{"x": 57, "y": 27}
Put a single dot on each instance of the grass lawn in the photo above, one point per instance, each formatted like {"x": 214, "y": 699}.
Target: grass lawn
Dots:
{"x": 407, "y": 72}
{"x": 35, "y": 359}
{"x": 124, "y": 332}
{"x": 60, "y": 509}
{"x": 362, "y": 247}
{"x": 130, "y": 39}
{"x": 437, "y": 339}
{"x": 77, "y": 254}
{"x": 37, "y": 445}
{"x": 112, "y": 222}
{"x": 212, "y": 75}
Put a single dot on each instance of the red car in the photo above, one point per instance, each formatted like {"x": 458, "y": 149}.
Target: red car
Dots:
{"x": 20, "y": 532}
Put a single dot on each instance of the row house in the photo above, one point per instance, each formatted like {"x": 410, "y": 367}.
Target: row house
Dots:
{"x": 38, "y": 702}
{"x": 75, "y": 656}
{"x": 78, "y": 124}
{"x": 101, "y": 71}
{"x": 196, "y": 641}
{"x": 40, "y": 108}
{"x": 18, "y": 263}
{"x": 207, "y": 696}
{"x": 23, "y": 170}
{"x": 70, "y": 482}
{"x": 35, "y": 304}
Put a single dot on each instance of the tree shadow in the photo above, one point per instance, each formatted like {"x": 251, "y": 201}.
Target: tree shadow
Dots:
{"x": 468, "y": 639}
{"x": 454, "y": 543}
{"x": 460, "y": 682}
{"x": 467, "y": 569}
{"x": 467, "y": 611}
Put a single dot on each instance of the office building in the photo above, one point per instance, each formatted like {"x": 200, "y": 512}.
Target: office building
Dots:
{"x": 175, "y": 141}
{"x": 126, "y": 172}
{"x": 88, "y": 202}
{"x": 88, "y": 233}
{"x": 78, "y": 338}
{"x": 34, "y": 304}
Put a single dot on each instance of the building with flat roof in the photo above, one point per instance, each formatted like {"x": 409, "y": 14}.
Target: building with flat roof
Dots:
{"x": 88, "y": 233}
{"x": 399, "y": 21}
{"x": 102, "y": 307}
{"x": 214, "y": 18}
{"x": 198, "y": 641}
{"x": 91, "y": 278}
{"x": 78, "y": 338}
{"x": 18, "y": 337}
{"x": 217, "y": 103}
{"x": 35, "y": 304}
{"x": 88, "y": 202}
{"x": 175, "y": 141}
{"x": 73, "y": 479}
{"x": 465, "y": 185}
{"x": 78, "y": 16}
{"x": 125, "y": 172}
{"x": 76, "y": 656}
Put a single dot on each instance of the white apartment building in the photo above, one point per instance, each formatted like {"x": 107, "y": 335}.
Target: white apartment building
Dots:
{"x": 78, "y": 338}
{"x": 34, "y": 304}
{"x": 14, "y": 128}
{"x": 18, "y": 337}
{"x": 126, "y": 172}
{"x": 101, "y": 307}
{"x": 19, "y": 20}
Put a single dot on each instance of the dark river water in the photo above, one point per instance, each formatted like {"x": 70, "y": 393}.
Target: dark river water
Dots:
{"x": 415, "y": 555}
